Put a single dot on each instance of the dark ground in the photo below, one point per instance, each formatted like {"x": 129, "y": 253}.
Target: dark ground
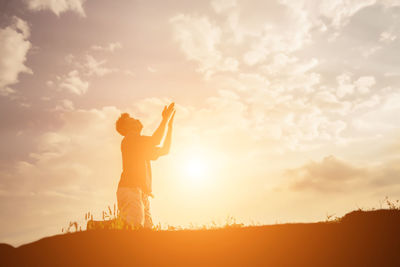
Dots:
{"x": 359, "y": 239}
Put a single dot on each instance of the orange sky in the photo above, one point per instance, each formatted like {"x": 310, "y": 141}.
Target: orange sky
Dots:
{"x": 286, "y": 110}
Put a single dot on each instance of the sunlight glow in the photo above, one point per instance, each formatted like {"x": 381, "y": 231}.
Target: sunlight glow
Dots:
{"x": 196, "y": 169}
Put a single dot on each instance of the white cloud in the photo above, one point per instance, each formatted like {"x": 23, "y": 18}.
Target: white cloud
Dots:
{"x": 279, "y": 63}
{"x": 369, "y": 50}
{"x": 14, "y": 46}
{"x": 76, "y": 81}
{"x": 390, "y": 3}
{"x": 348, "y": 87}
{"x": 290, "y": 34}
{"x": 340, "y": 11}
{"x": 392, "y": 74}
{"x": 324, "y": 14}
{"x": 254, "y": 36}
{"x": 151, "y": 69}
{"x": 363, "y": 84}
{"x": 334, "y": 15}
{"x": 111, "y": 47}
{"x": 73, "y": 83}
{"x": 65, "y": 105}
{"x": 387, "y": 37}
{"x": 305, "y": 108}
{"x": 65, "y": 173}
{"x": 95, "y": 67}
{"x": 68, "y": 157}
{"x": 229, "y": 64}
{"x": 255, "y": 55}
{"x": 368, "y": 103}
{"x": 22, "y": 26}
{"x": 223, "y": 5}
{"x": 50, "y": 83}
{"x": 6, "y": 91}
{"x": 89, "y": 65}
{"x": 329, "y": 102}
{"x": 58, "y": 6}
{"x": 198, "y": 39}
{"x": 345, "y": 85}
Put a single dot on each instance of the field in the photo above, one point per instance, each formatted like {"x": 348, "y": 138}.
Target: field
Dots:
{"x": 358, "y": 239}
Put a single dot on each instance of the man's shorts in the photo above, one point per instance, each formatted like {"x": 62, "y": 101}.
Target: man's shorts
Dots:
{"x": 134, "y": 207}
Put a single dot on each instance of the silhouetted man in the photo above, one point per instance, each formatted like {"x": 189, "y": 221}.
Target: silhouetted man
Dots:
{"x": 134, "y": 187}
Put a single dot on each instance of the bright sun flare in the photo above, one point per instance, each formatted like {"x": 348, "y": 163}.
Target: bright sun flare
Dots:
{"x": 196, "y": 169}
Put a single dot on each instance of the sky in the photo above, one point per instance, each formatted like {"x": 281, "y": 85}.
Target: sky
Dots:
{"x": 287, "y": 111}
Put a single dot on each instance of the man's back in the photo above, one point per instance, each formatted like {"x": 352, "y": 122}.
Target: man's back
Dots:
{"x": 136, "y": 154}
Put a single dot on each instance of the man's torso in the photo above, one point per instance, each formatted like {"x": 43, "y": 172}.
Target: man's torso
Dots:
{"x": 136, "y": 168}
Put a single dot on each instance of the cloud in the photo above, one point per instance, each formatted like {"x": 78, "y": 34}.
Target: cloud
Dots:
{"x": 363, "y": 84}
{"x": 346, "y": 86}
{"x": 335, "y": 13}
{"x": 333, "y": 16}
{"x": 256, "y": 36}
{"x": 369, "y": 50}
{"x": 223, "y": 5}
{"x": 151, "y": 69}
{"x": 111, "y": 47}
{"x": 198, "y": 39}
{"x": 66, "y": 160}
{"x": 329, "y": 175}
{"x": 290, "y": 91}
{"x": 387, "y": 37}
{"x": 335, "y": 175}
{"x": 65, "y": 105}
{"x": 14, "y": 46}
{"x": 387, "y": 174}
{"x": 57, "y": 6}
{"x": 89, "y": 65}
{"x": 96, "y": 67}
{"x": 68, "y": 157}
{"x": 86, "y": 67}
{"x": 73, "y": 82}
{"x": 340, "y": 11}
{"x": 64, "y": 175}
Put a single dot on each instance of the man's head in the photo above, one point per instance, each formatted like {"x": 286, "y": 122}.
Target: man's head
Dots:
{"x": 125, "y": 125}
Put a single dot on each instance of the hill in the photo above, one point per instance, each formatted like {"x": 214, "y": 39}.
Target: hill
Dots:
{"x": 359, "y": 239}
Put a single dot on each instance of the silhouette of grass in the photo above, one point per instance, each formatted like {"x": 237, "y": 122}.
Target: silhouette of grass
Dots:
{"x": 393, "y": 205}
{"x": 111, "y": 220}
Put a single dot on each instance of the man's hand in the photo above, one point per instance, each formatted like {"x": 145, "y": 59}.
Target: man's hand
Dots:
{"x": 171, "y": 120}
{"x": 168, "y": 111}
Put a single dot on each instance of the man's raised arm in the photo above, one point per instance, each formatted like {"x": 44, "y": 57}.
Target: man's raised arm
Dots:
{"x": 159, "y": 132}
{"x": 167, "y": 142}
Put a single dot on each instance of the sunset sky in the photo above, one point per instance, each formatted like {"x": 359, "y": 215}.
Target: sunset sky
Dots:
{"x": 286, "y": 110}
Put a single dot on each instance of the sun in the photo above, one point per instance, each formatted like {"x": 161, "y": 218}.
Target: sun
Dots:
{"x": 195, "y": 167}
{"x": 196, "y": 170}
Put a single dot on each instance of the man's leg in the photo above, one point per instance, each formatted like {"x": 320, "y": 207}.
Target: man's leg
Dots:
{"x": 131, "y": 206}
{"x": 148, "y": 222}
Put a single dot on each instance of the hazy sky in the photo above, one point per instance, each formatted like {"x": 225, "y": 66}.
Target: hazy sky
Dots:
{"x": 286, "y": 110}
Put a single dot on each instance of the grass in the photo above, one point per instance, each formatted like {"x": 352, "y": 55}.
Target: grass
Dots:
{"x": 111, "y": 219}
